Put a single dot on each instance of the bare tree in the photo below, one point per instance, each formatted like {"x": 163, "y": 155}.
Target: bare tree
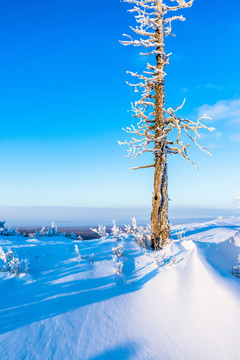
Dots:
{"x": 154, "y": 121}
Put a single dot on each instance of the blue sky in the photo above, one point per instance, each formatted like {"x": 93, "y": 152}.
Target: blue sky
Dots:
{"x": 64, "y": 101}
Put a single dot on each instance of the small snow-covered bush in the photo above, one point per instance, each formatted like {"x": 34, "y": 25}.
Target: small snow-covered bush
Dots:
{"x": 77, "y": 252}
{"x": 141, "y": 234}
{"x": 118, "y": 254}
{"x": 236, "y": 269}
{"x": 101, "y": 231}
{"x": 88, "y": 258}
{"x": 53, "y": 231}
{"x": 2, "y": 223}
{"x": 12, "y": 264}
{"x": 116, "y": 231}
{"x": 74, "y": 236}
{"x": 118, "y": 266}
{"x": 118, "y": 251}
{"x": 7, "y": 231}
{"x": 181, "y": 235}
{"x": 128, "y": 229}
{"x": 134, "y": 225}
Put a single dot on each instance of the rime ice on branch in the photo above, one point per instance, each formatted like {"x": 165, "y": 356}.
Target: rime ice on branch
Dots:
{"x": 152, "y": 20}
{"x": 154, "y": 121}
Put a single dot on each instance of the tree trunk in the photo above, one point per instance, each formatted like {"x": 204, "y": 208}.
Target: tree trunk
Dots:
{"x": 159, "y": 218}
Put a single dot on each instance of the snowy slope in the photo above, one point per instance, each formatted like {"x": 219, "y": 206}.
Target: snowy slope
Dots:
{"x": 188, "y": 307}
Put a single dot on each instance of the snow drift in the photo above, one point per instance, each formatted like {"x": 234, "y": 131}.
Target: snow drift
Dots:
{"x": 181, "y": 303}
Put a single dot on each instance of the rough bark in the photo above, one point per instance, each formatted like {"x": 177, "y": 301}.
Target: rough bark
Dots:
{"x": 159, "y": 218}
{"x": 154, "y": 121}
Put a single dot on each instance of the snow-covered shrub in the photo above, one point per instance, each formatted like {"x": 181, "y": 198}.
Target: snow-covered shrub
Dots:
{"x": 71, "y": 236}
{"x": 128, "y": 229}
{"x": 118, "y": 265}
{"x": 74, "y": 236}
{"x": 77, "y": 252}
{"x": 181, "y": 235}
{"x": 134, "y": 225}
{"x": 116, "y": 231}
{"x": 101, "y": 231}
{"x": 7, "y": 231}
{"x": 118, "y": 251}
{"x": 236, "y": 269}
{"x": 36, "y": 234}
{"x": 12, "y": 264}
{"x": 53, "y": 231}
{"x": 141, "y": 234}
{"x": 88, "y": 258}
{"x": 118, "y": 254}
{"x": 2, "y": 223}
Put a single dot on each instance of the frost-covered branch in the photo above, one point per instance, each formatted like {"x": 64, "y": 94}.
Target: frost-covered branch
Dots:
{"x": 118, "y": 255}
{"x": 77, "y": 252}
{"x": 118, "y": 251}
{"x": 12, "y": 264}
{"x": 153, "y": 24}
{"x": 53, "y": 231}
{"x": 116, "y": 232}
{"x": 101, "y": 230}
{"x": 88, "y": 258}
{"x": 7, "y": 231}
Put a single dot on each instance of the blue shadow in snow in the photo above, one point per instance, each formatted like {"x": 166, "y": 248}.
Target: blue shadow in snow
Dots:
{"x": 24, "y": 302}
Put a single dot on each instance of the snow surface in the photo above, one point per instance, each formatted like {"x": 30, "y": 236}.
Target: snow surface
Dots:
{"x": 188, "y": 307}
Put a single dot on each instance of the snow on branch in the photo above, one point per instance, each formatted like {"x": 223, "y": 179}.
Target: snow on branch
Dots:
{"x": 191, "y": 129}
{"x": 101, "y": 230}
{"x": 118, "y": 258}
{"x": 116, "y": 232}
{"x": 181, "y": 4}
{"x": 9, "y": 262}
{"x": 7, "y": 231}
{"x": 153, "y": 25}
{"x": 53, "y": 231}
{"x": 88, "y": 258}
{"x": 144, "y": 130}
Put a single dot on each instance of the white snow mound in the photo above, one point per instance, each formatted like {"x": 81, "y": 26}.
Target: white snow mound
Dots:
{"x": 182, "y": 303}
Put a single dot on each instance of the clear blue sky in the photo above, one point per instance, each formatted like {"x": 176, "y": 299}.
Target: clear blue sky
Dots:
{"x": 64, "y": 100}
